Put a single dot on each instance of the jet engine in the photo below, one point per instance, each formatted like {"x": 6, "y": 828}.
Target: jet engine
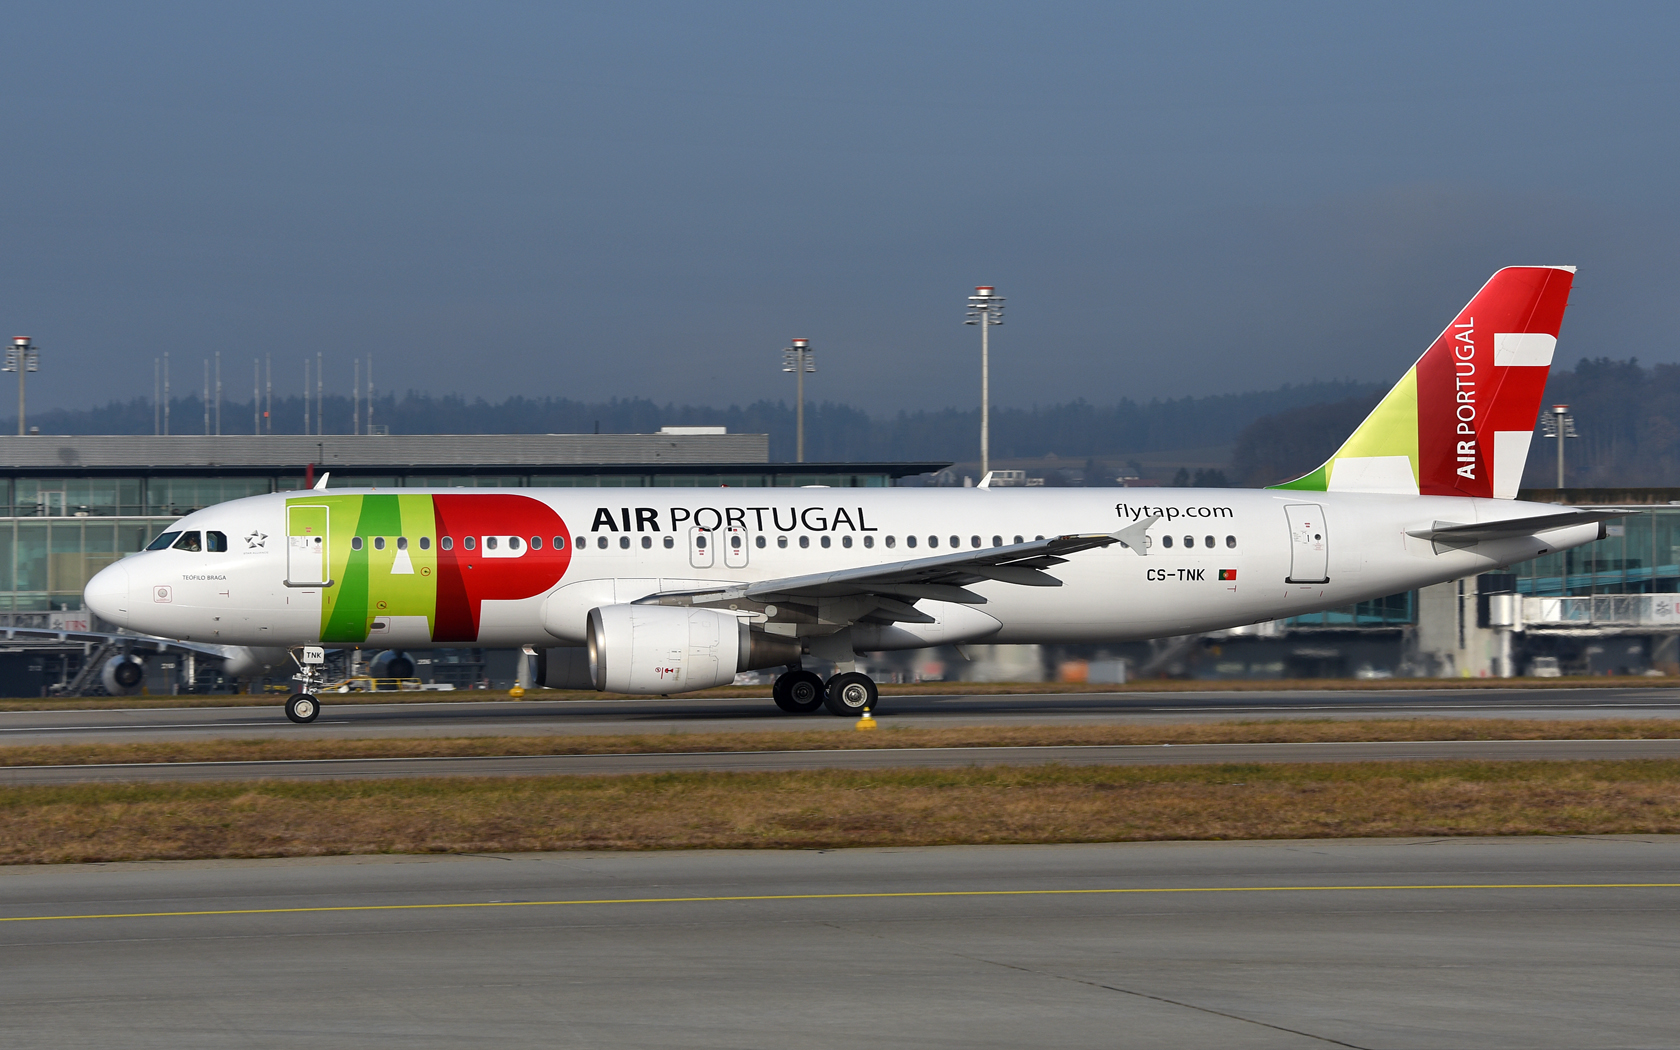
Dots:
{"x": 123, "y": 675}
{"x": 675, "y": 649}
{"x": 392, "y": 664}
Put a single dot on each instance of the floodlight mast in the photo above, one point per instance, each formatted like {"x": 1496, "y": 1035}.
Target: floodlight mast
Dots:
{"x": 22, "y": 356}
{"x": 799, "y": 359}
{"x": 1559, "y": 424}
{"x": 985, "y": 308}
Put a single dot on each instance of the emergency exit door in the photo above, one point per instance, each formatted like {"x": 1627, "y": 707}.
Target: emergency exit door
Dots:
{"x": 308, "y": 557}
{"x": 1309, "y": 544}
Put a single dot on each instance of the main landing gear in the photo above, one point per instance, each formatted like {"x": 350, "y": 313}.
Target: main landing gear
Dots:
{"x": 303, "y": 705}
{"x": 848, "y": 694}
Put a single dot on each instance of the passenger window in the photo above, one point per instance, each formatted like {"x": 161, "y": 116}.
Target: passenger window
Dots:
{"x": 188, "y": 542}
{"x": 825, "y": 540}
{"x": 647, "y": 543}
{"x": 891, "y": 542}
{"x": 559, "y": 543}
{"x": 355, "y": 543}
{"x": 997, "y": 541}
{"x": 1230, "y": 541}
{"x": 909, "y": 541}
{"x": 536, "y": 543}
{"x": 469, "y": 542}
{"x": 402, "y": 543}
{"x": 1189, "y": 541}
{"x": 700, "y": 542}
{"x": 513, "y": 542}
{"x": 623, "y": 543}
{"x": 670, "y": 542}
{"x": 1166, "y": 541}
{"x": 759, "y": 540}
{"x": 735, "y": 542}
{"x": 163, "y": 542}
{"x": 489, "y": 543}
{"x": 845, "y": 541}
{"x": 974, "y": 541}
{"x": 215, "y": 541}
{"x": 933, "y": 541}
{"x": 447, "y": 543}
{"x": 781, "y": 541}
{"x": 379, "y": 543}
{"x": 1019, "y": 540}
{"x": 869, "y": 541}
{"x": 804, "y": 541}
{"x": 1207, "y": 541}
{"x": 425, "y": 543}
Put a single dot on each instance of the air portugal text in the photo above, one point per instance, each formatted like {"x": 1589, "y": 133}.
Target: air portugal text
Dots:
{"x": 762, "y": 519}
{"x": 1464, "y": 354}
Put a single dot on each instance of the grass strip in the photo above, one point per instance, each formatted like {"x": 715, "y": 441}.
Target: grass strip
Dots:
{"x": 1271, "y": 731}
{"x": 825, "y": 809}
{"x": 1148, "y": 685}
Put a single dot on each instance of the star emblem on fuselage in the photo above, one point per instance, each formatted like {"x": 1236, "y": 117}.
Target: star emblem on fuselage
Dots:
{"x": 256, "y": 540}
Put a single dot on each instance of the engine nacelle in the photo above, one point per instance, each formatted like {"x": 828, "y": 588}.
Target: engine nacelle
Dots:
{"x": 676, "y": 649}
{"x": 391, "y": 664}
{"x": 123, "y": 675}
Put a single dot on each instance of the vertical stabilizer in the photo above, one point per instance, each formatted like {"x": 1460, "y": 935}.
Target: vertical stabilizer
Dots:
{"x": 1459, "y": 422}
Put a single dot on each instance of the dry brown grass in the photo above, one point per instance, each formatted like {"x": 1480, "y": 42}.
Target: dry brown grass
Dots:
{"x": 1266, "y": 732}
{"x": 1150, "y": 685}
{"x": 828, "y": 809}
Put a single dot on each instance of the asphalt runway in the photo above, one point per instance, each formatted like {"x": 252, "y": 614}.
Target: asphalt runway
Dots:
{"x": 1462, "y": 943}
{"x": 655, "y": 715}
{"x": 862, "y": 757}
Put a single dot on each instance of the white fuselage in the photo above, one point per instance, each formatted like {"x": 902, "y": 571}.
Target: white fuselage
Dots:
{"x": 1236, "y": 556}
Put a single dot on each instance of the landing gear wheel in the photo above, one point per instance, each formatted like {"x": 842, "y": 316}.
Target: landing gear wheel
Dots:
{"x": 798, "y": 692}
{"x": 301, "y": 707}
{"x": 851, "y": 694}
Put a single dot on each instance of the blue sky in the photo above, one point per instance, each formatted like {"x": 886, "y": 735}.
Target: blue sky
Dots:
{"x": 650, "y": 199}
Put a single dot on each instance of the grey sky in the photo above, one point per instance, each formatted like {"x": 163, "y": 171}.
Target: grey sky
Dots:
{"x": 650, "y": 199}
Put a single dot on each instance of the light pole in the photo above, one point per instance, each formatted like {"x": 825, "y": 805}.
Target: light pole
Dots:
{"x": 1559, "y": 424}
{"x": 985, "y": 308}
{"x": 21, "y": 357}
{"x": 799, "y": 359}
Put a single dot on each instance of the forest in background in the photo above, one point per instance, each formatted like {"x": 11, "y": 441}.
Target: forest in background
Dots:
{"x": 1627, "y": 414}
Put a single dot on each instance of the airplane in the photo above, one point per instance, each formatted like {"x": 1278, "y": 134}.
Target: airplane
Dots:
{"x": 666, "y": 591}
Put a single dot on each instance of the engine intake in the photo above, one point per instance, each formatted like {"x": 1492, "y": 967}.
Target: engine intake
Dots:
{"x": 674, "y": 649}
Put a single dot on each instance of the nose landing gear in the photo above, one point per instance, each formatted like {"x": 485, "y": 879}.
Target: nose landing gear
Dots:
{"x": 303, "y": 706}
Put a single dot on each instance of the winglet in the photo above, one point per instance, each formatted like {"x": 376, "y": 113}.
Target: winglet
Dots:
{"x": 323, "y": 482}
{"x": 1135, "y": 537}
{"x": 986, "y": 482}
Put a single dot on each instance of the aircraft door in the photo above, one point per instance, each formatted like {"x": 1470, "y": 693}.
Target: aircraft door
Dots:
{"x": 735, "y": 547}
{"x": 700, "y": 544}
{"x": 308, "y": 554}
{"x": 1309, "y": 544}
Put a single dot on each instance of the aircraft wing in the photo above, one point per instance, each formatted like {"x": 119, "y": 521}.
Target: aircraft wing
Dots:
{"x": 897, "y": 585}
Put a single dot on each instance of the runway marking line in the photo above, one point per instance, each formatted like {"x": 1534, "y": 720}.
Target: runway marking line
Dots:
{"x": 847, "y": 896}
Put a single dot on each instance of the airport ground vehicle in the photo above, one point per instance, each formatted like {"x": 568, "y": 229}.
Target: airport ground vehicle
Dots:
{"x": 666, "y": 591}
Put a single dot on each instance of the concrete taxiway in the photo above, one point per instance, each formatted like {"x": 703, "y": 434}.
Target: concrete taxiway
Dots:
{"x": 862, "y": 757}
{"x": 656, "y": 715}
{"x": 1402, "y": 944}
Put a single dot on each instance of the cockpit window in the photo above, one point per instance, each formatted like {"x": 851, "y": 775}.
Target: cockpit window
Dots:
{"x": 189, "y": 541}
{"x": 163, "y": 541}
{"x": 215, "y": 541}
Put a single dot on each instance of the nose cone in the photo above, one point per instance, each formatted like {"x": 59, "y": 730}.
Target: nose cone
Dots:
{"x": 107, "y": 594}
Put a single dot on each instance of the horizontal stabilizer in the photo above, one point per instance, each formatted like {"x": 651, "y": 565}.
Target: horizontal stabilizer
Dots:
{"x": 1450, "y": 533}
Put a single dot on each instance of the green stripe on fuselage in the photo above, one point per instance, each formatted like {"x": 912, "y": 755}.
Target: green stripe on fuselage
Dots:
{"x": 371, "y": 583}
